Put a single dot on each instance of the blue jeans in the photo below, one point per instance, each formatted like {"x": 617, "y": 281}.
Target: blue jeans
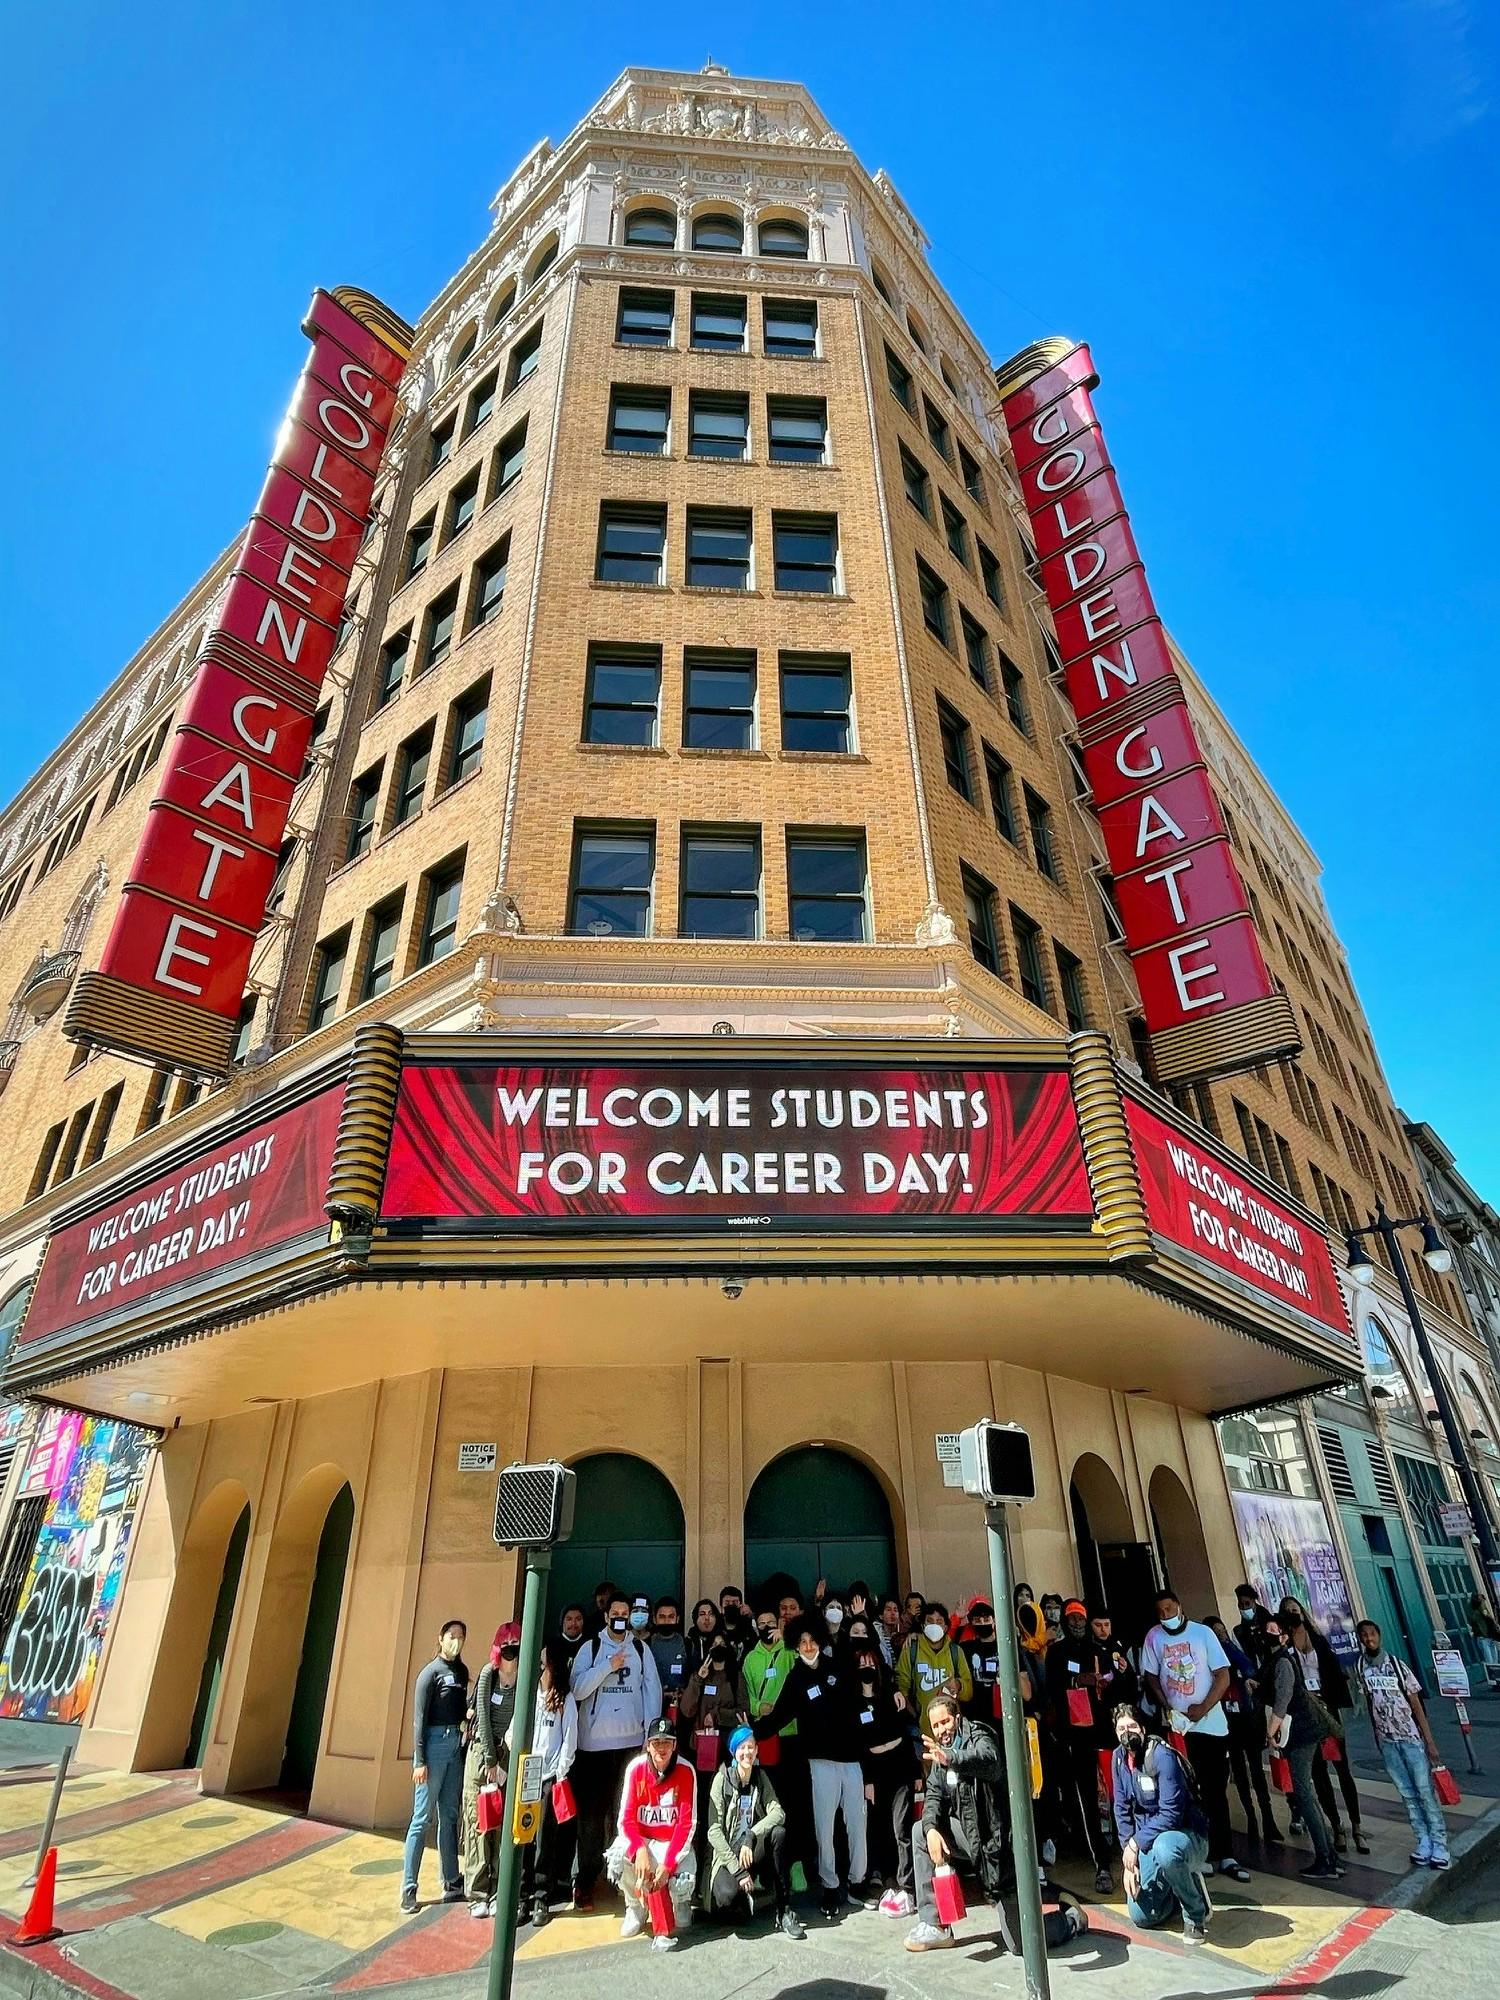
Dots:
{"x": 442, "y": 1791}
{"x": 1410, "y": 1772}
{"x": 1305, "y": 1803}
{"x": 1171, "y": 1871}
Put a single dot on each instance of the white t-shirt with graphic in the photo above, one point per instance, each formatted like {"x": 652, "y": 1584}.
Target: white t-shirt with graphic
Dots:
{"x": 1185, "y": 1663}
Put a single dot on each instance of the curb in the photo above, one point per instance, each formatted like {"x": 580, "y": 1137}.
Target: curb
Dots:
{"x": 1471, "y": 1852}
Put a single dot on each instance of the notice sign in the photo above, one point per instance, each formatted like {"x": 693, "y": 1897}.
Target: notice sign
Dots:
{"x": 243, "y": 1197}
{"x": 478, "y": 1457}
{"x": 1202, "y": 1202}
{"x": 950, "y": 1457}
{"x": 1456, "y": 1519}
{"x": 1452, "y": 1675}
{"x": 767, "y": 1146}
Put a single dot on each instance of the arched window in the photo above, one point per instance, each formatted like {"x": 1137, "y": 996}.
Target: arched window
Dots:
{"x": 1388, "y": 1374}
{"x": 781, "y": 237}
{"x": 945, "y": 368}
{"x": 884, "y": 286}
{"x": 76, "y": 924}
{"x": 719, "y": 231}
{"x": 1477, "y": 1420}
{"x": 542, "y": 262}
{"x": 918, "y": 332}
{"x": 505, "y": 298}
{"x": 467, "y": 343}
{"x": 651, "y": 228}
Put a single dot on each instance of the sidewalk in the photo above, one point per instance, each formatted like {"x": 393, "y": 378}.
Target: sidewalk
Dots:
{"x": 164, "y": 1894}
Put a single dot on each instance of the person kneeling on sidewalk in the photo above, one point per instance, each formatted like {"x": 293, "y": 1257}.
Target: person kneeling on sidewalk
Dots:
{"x": 966, "y": 1818}
{"x": 747, "y": 1847}
{"x": 653, "y": 1848}
{"x": 1163, "y": 1831}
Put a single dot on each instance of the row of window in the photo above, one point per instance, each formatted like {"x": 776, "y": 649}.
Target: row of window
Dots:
{"x": 721, "y": 229}
{"x": 939, "y": 432}
{"x": 612, "y": 883}
{"x": 720, "y": 551}
{"x": 720, "y": 707}
{"x": 718, "y": 322}
{"x": 469, "y": 496}
{"x": 434, "y": 935}
{"x": 459, "y": 753}
{"x": 1031, "y": 976}
{"x": 918, "y": 486}
{"x": 640, "y": 421}
{"x": 957, "y": 740}
{"x": 75, "y": 1142}
{"x": 481, "y": 402}
{"x": 428, "y": 640}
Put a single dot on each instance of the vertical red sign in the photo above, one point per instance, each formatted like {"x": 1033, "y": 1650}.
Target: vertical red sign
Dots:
{"x": 173, "y": 973}
{"x": 1210, "y": 1004}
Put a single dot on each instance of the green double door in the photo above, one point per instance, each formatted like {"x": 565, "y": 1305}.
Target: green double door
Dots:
{"x": 816, "y": 1513}
{"x": 627, "y": 1526}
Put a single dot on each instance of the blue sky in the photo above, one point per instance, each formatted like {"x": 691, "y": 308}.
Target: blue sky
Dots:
{"x": 1275, "y": 225}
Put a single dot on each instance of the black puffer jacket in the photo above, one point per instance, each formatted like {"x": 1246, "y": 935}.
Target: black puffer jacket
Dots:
{"x": 969, "y": 1792}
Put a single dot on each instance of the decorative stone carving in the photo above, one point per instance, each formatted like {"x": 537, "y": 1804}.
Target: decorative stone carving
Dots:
{"x": 936, "y": 926}
{"x": 501, "y": 913}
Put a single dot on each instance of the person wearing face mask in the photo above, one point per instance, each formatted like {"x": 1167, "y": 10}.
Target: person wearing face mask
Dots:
{"x": 747, "y": 1840}
{"x": 1052, "y": 1611}
{"x": 984, "y": 1662}
{"x": 653, "y": 1844}
{"x": 1325, "y": 1676}
{"x": 833, "y": 1619}
{"x": 554, "y": 1744}
{"x": 911, "y": 1612}
{"x": 708, "y": 1712}
{"x": 706, "y": 1626}
{"x": 736, "y": 1624}
{"x": 1296, "y": 1723}
{"x": 819, "y": 1695}
{"x": 1031, "y": 1643}
{"x": 668, "y": 1643}
{"x": 931, "y": 1663}
{"x": 618, "y": 1691}
{"x": 890, "y": 1629}
{"x": 487, "y": 1763}
{"x": 1246, "y": 1736}
{"x": 572, "y": 1630}
{"x": 440, "y": 1703}
{"x": 1075, "y": 1682}
{"x": 1163, "y": 1831}
{"x": 888, "y": 1761}
{"x": 1186, "y": 1672}
{"x": 763, "y": 1674}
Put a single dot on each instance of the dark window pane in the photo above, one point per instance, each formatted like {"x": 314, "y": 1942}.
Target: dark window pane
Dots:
{"x": 612, "y": 883}
{"x": 791, "y": 327}
{"x": 899, "y": 377}
{"x": 798, "y": 430}
{"x": 719, "y": 705}
{"x": 631, "y": 545}
{"x": 645, "y": 319}
{"x": 719, "y": 426}
{"x": 651, "y": 228}
{"x": 806, "y": 553}
{"x": 638, "y": 420}
{"x": 718, "y": 232}
{"x": 510, "y": 458}
{"x": 718, "y": 550}
{"x": 780, "y": 238}
{"x": 622, "y": 700}
{"x": 718, "y": 322}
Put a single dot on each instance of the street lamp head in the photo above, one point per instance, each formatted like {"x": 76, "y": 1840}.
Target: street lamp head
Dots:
{"x": 1435, "y": 1253}
{"x": 1361, "y": 1269}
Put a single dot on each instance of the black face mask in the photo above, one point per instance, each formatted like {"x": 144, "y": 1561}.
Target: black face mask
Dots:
{"x": 767, "y": 1635}
{"x": 1134, "y": 1744}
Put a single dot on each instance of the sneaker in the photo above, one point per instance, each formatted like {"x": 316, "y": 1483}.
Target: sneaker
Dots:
{"x": 455, "y": 1894}
{"x": 1361, "y": 1845}
{"x": 1340, "y": 1841}
{"x": 859, "y": 1896}
{"x": 408, "y": 1902}
{"x": 481, "y": 1908}
{"x": 1439, "y": 1859}
{"x": 830, "y": 1903}
{"x": 1421, "y": 1854}
{"x": 1194, "y": 1933}
{"x": 929, "y": 1937}
{"x": 896, "y": 1903}
{"x": 1077, "y": 1920}
{"x": 1235, "y": 1870}
{"x": 1297, "y": 1828}
{"x": 634, "y": 1924}
{"x": 1049, "y": 1853}
{"x": 1104, "y": 1882}
{"x": 668, "y": 1941}
{"x": 791, "y": 1925}
{"x": 1319, "y": 1871}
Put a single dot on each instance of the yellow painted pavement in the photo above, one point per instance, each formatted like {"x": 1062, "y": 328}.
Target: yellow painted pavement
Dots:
{"x": 25, "y": 1804}
{"x": 123, "y": 1853}
{"x": 316, "y": 1893}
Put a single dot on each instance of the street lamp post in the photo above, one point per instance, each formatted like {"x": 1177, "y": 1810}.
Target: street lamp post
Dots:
{"x": 1436, "y": 1254}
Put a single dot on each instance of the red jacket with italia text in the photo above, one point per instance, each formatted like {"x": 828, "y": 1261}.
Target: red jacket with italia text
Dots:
{"x": 656, "y": 1808}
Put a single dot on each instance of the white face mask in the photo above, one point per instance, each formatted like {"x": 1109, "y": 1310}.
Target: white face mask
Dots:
{"x": 834, "y": 1615}
{"x": 934, "y": 1632}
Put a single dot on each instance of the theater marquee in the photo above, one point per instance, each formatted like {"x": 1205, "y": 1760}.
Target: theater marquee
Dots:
{"x": 1211, "y": 1006}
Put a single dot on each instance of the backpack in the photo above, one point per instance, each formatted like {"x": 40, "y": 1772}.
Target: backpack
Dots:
{"x": 1151, "y": 1765}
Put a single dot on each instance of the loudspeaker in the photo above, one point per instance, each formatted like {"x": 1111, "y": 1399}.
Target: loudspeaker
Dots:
{"x": 534, "y": 1505}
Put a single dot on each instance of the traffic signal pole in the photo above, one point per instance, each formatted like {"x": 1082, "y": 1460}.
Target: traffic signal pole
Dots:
{"x": 508, "y": 1876}
{"x": 1017, "y": 1761}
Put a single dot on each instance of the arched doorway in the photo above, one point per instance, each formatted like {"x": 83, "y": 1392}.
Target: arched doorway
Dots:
{"x": 1115, "y": 1570}
{"x": 200, "y": 1729}
{"x": 627, "y": 1526}
{"x": 1186, "y": 1570}
{"x": 310, "y": 1692}
{"x": 816, "y": 1511}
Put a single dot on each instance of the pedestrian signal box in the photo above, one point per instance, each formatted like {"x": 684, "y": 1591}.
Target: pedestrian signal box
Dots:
{"x": 526, "y": 1814}
{"x": 995, "y": 1461}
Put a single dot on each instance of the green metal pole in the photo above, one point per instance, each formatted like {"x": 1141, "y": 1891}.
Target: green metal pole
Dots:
{"x": 1017, "y": 1763}
{"x": 508, "y": 1875}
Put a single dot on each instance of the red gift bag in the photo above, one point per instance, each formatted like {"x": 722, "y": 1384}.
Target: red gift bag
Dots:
{"x": 1178, "y": 1741}
{"x": 663, "y": 1916}
{"x": 1107, "y": 1772}
{"x": 948, "y": 1894}
{"x": 489, "y": 1807}
{"x": 1332, "y": 1750}
{"x": 770, "y": 1752}
{"x": 1445, "y": 1785}
{"x": 706, "y": 1750}
{"x": 564, "y": 1805}
{"x": 1281, "y": 1772}
{"x": 995, "y": 1705}
{"x": 1080, "y": 1708}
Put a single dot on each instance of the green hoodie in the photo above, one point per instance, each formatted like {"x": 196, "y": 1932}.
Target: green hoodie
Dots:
{"x": 763, "y": 1674}
{"x": 922, "y": 1668}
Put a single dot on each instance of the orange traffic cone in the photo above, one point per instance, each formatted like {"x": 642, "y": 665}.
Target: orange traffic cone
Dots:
{"x": 37, "y": 1925}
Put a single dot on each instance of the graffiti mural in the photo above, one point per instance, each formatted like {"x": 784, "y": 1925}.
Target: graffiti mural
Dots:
{"x": 1289, "y": 1552}
{"x": 94, "y": 1470}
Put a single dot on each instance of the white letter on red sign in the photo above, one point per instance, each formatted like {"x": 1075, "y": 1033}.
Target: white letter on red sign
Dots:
{"x": 353, "y": 368}
{"x": 1182, "y": 975}
{"x": 1155, "y": 823}
{"x": 1068, "y": 452}
{"x": 233, "y": 790}
{"x": 1169, "y": 875}
{"x": 291, "y": 643}
{"x": 1134, "y": 770}
{"x": 1123, "y": 669}
{"x": 172, "y": 949}
{"x": 290, "y": 577}
{"x": 319, "y": 459}
{"x": 263, "y": 744}
{"x": 362, "y": 431}
{"x": 1071, "y": 558}
{"x": 211, "y": 866}
{"x": 1100, "y": 613}
{"x": 299, "y": 525}
{"x": 1040, "y": 435}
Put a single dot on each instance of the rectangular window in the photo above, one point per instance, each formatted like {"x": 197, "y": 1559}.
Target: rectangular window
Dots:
{"x": 997, "y": 776}
{"x": 718, "y": 548}
{"x": 1070, "y": 981}
{"x": 918, "y": 485}
{"x": 791, "y": 328}
{"x": 613, "y": 867}
{"x": 1015, "y": 694}
{"x": 899, "y": 377}
{"x": 639, "y": 420}
{"x": 826, "y": 884}
{"x": 632, "y": 544}
{"x": 482, "y": 400}
{"x": 937, "y": 431}
{"x": 718, "y": 323}
{"x": 524, "y": 357}
{"x": 954, "y": 733}
{"x": 718, "y": 426}
{"x": 442, "y": 444}
{"x": 462, "y": 502}
{"x": 989, "y": 571}
{"x": 104, "y": 1118}
{"x": 382, "y": 935}
{"x": 624, "y": 688}
{"x": 720, "y": 878}
{"x": 979, "y": 913}
{"x": 41, "y": 1173}
{"x": 807, "y": 552}
{"x": 329, "y": 961}
{"x": 510, "y": 459}
{"x": 645, "y": 319}
{"x": 443, "y": 890}
{"x": 1039, "y": 819}
{"x": 719, "y": 701}
{"x": 956, "y": 532}
{"x": 815, "y": 702}
{"x": 798, "y": 429}
{"x": 1031, "y": 972}
{"x": 934, "y": 603}
{"x": 72, "y": 1145}
{"x": 244, "y": 1030}
{"x": 419, "y": 546}
{"x": 976, "y": 650}
{"x": 466, "y": 733}
{"x": 1105, "y": 884}
{"x": 490, "y": 576}
{"x": 363, "y": 795}
{"x": 412, "y": 762}
{"x": 972, "y": 477}
{"x": 441, "y": 614}
{"x": 393, "y": 657}
{"x": 154, "y": 1104}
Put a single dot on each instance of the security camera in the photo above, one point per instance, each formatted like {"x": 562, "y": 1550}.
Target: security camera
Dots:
{"x": 731, "y": 1287}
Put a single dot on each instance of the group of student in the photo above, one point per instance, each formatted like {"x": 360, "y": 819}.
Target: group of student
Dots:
{"x": 854, "y": 1742}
